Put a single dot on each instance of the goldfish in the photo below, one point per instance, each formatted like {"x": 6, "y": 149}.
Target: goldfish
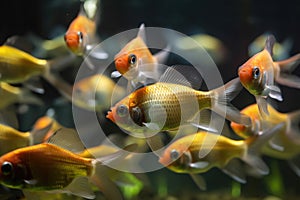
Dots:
{"x": 51, "y": 168}
{"x": 281, "y": 50}
{"x": 165, "y": 105}
{"x": 285, "y": 144}
{"x": 81, "y": 35}
{"x": 46, "y": 126}
{"x": 182, "y": 156}
{"x": 259, "y": 74}
{"x": 135, "y": 61}
{"x": 17, "y": 66}
{"x": 95, "y": 92}
{"x": 11, "y": 138}
{"x": 10, "y": 94}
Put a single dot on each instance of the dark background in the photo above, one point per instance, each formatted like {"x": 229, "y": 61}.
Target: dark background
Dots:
{"x": 235, "y": 22}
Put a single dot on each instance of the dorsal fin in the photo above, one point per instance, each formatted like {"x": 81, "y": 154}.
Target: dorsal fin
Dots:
{"x": 270, "y": 44}
{"x": 68, "y": 139}
{"x": 142, "y": 33}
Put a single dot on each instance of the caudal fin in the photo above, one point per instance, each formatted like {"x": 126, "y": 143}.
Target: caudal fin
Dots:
{"x": 223, "y": 95}
{"x": 293, "y": 131}
{"x": 286, "y": 67}
{"x": 255, "y": 144}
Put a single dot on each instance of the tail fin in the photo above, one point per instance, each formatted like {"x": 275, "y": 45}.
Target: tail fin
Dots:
{"x": 255, "y": 144}
{"x": 286, "y": 67}
{"x": 222, "y": 96}
{"x": 29, "y": 98}
{"x": 293, "y": 131}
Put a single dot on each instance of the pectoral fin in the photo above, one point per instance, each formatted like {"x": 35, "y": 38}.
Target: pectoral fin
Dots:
{"x": 235, "y": 171}
{"x": 199, "y": 165}
{"x": 274, "y": 92}
{"x": 262, "y": 106}
{"x": 115, "y": 74}
{"x": 80, "y": 187}
{"x": 199, "y": 181}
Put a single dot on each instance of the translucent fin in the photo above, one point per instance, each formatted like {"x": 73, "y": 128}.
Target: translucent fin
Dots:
{"x": 155, "y": 142}
{"x": 27, "y": 97}
{"x": 191, "y": 74}
{"x": 270, "y": 44}
{"x": 205, "y": 128}
{"x": 293, "y": 131}
{"x": 142, "y": 33}
{"x": 34, "y": 84}
{"x": 295, "y": 164}
{"x": 224, "y": 108}
{"x": 67, "y": 138}
{"x": 235, "y": 171}
{"x": 104, "y": 184}
{"x": 115, "y": 74}
{"x": 38, "y": 133}
{"x": 255, "y": 144}
{"x": 171, "y": 75}
{"x": 162, "y": 56}
{"x": 274, "y": 92}
{"x": 199, "y": 165}
{"x": 80, "y": 187}
{"x": 199, "y": 181}
{"x": 262, "y": 106}
{"x": 289, "y": 80}
{"x": 289, "y": 64}
{"x": 117, "y": 155}
{"x": 276, "y": 144}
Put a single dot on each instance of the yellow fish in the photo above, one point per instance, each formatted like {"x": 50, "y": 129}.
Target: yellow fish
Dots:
{"x": 183, "y": 155}
{"x": 285, "y": 143}
{"x": 10, "y": 94}
{"x": 95, "y": 92}
{"x": 50, "y": 168}
{"x": 17, "y": 66}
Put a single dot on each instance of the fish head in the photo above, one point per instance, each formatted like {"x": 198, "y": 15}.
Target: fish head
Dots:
{"x": 176, "y": 157}
{"x": 240, "y": 129}
{"x": 126, "y": 62}
{"x": 252, "y": 74}
{"x": 12, "y": 171}
{"x": 75, "y": 41}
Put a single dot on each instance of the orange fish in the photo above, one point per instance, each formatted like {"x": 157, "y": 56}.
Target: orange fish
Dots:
{"x": 259, "y": 74}
{"x": 166, "y": 106}
{"x": 79, "y": 34}
{"x": 50, "y": 168}
{"x": 183, "y": 155}
{"x": 135, "y": 61}
{"x": 285, "y": 144}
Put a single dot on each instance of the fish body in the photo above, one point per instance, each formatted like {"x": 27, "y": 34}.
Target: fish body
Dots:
{"x": 43, "y": 167}
{"x": 188, "y": 149}
{"x": 260, "y": 73}
{"x": 185, "y": 155}
{"x": 164, "y": 106}
{"x": 10, "y": 94}
{"x": 11, "y": 139}
{"x": 80, "y": 33}
{"x": 96, "y": 92}
{"x": 135, "y": 61}
{"x": 16, "y": 66}
{"x": 285, "y": 143}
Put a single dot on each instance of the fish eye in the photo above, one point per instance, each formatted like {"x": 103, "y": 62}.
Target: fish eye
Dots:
{"x": 122, "y": 110}
{"x": 255, "y": 72}
{"x": 132, "y": 59}
{"x": 80, "y": 36}
{"x": 136, "y": 115}
{"x": 6, "y": 168}
{"x": 174, "y": 154}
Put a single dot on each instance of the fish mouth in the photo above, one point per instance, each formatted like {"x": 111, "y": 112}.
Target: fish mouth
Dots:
{"x": 110, "y": 116}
